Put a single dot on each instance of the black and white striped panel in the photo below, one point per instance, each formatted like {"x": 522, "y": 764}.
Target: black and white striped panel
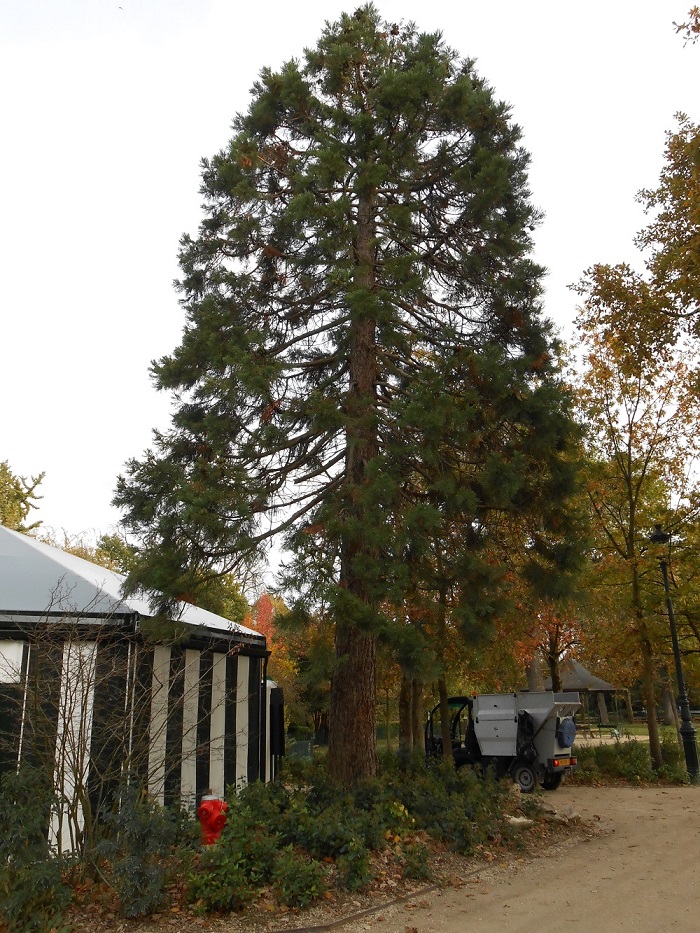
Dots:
{"x": 204, "y": 729}
{"x": 181, "y": 719}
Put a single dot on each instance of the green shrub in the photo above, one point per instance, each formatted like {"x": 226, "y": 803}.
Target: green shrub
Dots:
{"x": 462, "y": 808}
{"x": 220, "y": 881}
{"x": 415, "y": 865}
{"x": 32, "y": 893}
{"x": 261, "y": 847}
{"x": 321, "y": 831}
{"x": 298, "y": 879}
{"x": 674, "y": 767}
{"x": 277, "y": 834}
{"x": 629, "y": 760}
{"x": 141, "y": 839}
{"x": 354, "y": 866}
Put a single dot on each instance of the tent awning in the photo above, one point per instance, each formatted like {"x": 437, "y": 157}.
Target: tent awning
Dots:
{"x": 42, "y": 580}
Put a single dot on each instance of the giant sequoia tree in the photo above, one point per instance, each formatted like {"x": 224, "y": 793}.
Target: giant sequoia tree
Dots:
{"x": 364, "y": 367}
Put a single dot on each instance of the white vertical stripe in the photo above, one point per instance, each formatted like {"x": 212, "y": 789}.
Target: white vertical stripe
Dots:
{"x": 242, "y": 721}
{"x": 73, "y": 738}
{"x": 190, "y": 715}
{"x": 11, "y": 662}
{"x": 217, "y": 726}
{"x": 160, "y": 684}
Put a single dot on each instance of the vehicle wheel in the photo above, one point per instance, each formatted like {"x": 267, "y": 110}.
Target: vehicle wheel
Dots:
{"x": 552, "y": 781}
{"x": 525, "y": 777}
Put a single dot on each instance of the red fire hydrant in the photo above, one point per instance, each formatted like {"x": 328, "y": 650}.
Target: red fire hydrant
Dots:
{"x": 212, "y": 816}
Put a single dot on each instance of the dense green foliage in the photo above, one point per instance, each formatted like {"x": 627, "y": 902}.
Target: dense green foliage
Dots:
{"x": 140, "y": 840}
{"x": 303, "y": 834}
{"x": 32, "y": 893}
{"x": 296, "y": 838}
{"x": 629, "y": 760}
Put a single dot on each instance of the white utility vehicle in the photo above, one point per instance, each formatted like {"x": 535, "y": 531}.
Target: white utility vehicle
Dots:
{"x": 527, "y": 735}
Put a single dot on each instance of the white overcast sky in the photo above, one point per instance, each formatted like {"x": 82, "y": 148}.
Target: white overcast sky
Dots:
{"x": 107, "y": 107}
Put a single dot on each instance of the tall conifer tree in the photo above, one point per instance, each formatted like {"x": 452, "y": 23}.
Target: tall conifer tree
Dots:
{"x": 364, "y": 367}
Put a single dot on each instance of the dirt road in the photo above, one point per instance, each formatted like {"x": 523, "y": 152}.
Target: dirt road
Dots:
{"x": 639, "y": 873}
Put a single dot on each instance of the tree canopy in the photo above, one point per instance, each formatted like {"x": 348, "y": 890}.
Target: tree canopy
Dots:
{"x": 659, "y": 307}
{"x": 365, "y": 368}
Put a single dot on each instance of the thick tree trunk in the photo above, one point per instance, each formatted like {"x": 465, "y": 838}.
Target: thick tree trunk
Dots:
{"x": 387, "y": 720}
{"x": 406, "y": 715}
{"x": 321, "y": 727}
{"x": 553, "y": 665}
{"x": 604, "y": 718}
{"x": 417, "y": 715}
{"x": 352, "y": 749}
{"x": 668, "y": 702}
{"x": 352, "y": 753}
{"x": 445, "y": 722}
{"x": 649, "y": 691}
{"x": 533, "y": 672}
{"x": 411, "y": 715}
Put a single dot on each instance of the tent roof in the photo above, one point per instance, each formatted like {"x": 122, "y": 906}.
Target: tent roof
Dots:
{"x": 37, "y": 578}
{"x": 574, "y": 676}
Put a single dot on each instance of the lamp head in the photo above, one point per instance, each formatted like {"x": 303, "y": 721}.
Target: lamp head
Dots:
{"x": 658, "y": 536}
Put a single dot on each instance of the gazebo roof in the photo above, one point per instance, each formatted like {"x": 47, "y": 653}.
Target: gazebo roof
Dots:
{"x": 42, "y": 580}
{"x": 574, "y": 676}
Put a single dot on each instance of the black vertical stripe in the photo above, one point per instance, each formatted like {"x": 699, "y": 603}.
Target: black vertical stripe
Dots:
{"x": 173, "y": 741}
{"x": 230, "y": 720}
{"x": 110, "y": 724}
{"x": 43, "y": 695}
{"x": 254, "y": 735}
{"x": 140, "y": 713}
{"x": 204, "y": 721}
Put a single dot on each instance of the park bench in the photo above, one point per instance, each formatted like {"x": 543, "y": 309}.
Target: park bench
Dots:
{"x": 595, "y": 730}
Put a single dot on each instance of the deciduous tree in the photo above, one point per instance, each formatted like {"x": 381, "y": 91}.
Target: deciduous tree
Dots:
{"x": 642, "y": 413}
{"x": 671, "y": 239}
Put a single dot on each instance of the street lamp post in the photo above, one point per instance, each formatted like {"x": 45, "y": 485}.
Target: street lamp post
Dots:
{"x": 687, "y": 729}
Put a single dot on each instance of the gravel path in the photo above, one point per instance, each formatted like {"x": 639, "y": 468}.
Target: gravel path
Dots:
{"x": 639, "y": 872}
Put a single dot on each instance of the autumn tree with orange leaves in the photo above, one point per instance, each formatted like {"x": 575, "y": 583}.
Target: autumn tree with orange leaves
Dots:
{"x": 641, "y": 412}
{"x": 282, "y": 666}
